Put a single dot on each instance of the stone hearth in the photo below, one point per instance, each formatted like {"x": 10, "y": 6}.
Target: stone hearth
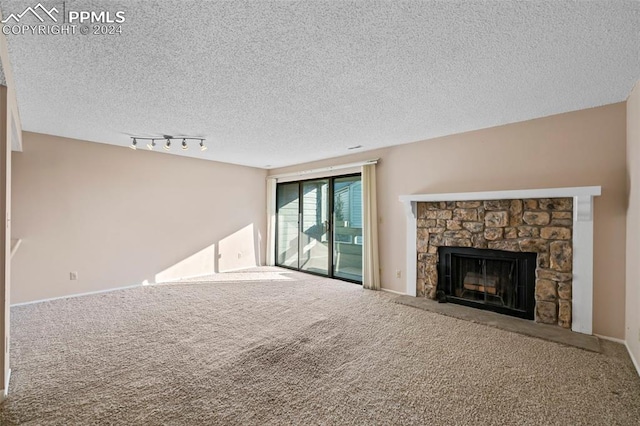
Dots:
{"x": 542, "y": 226}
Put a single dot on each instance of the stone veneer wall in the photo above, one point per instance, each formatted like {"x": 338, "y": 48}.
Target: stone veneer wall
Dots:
{"x": 542, "y": 226}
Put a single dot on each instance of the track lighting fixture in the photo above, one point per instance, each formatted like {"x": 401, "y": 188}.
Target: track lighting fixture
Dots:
{"x": 167, "y": 145}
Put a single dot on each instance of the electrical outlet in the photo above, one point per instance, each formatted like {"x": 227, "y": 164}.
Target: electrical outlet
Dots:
{"x": 239, "y": 255}
{"x": 398, "y": 273}
{"x": 73, "y": 276}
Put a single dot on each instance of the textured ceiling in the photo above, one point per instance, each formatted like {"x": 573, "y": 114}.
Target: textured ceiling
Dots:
{"x": 278, "y": 83}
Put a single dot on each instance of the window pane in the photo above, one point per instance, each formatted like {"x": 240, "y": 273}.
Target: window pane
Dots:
{"x": 347, "y": 205}
{"x": 287, "y": 208}
{"x": 314, "y": 254}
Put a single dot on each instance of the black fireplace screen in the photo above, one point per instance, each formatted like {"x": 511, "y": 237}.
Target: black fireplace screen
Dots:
{"x": 489, "y": 279}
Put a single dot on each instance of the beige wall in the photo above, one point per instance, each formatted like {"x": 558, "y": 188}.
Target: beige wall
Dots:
{"x": 633, "y": 225}
{"x": 121, "y": 217}
{"x": 574, "y": 149}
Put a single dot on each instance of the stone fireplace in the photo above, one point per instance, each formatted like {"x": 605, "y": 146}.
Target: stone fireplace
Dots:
{"x": 555, "y": 225}
{"x": 540, "y": 226}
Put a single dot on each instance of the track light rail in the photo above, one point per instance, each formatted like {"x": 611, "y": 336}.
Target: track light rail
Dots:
{"x": 166, "y": 140}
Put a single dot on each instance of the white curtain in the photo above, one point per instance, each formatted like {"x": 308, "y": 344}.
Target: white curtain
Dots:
{"x": 271, "y": 221}
{"x": 371, "y": 264}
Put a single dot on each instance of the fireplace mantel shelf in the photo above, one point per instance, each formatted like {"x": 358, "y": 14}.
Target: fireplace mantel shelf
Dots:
{"x": 506, "y": 195}
{"x": 582, "y": 292}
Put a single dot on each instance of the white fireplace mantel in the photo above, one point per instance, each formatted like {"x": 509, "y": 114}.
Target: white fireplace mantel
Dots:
{"x": 582, "y": 287}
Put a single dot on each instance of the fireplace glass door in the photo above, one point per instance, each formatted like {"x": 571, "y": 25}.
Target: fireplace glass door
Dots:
{"x": 490, "y": 279}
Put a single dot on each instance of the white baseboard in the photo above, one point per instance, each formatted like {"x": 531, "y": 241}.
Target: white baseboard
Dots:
{"x": 76, "y": 295}
{"x": 611, "y": 339}
{"x": 635, "y": 361}
{"x": 208, "y": 274}
{"x": 5, "y": 392}
{"x": 177, "y": 280}
{"x": 623, "y": 342}
{"x": 393, "y": 291}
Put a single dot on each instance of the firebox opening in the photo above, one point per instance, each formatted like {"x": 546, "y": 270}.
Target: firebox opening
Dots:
{"x": 495, "y": 280}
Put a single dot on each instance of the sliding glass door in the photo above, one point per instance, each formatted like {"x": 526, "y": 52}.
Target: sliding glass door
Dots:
{"x": 314, "y": 235}
{"x": 347, "y": 247}
{"x": 319, "y": 226}
{"x": 288, "y": 198}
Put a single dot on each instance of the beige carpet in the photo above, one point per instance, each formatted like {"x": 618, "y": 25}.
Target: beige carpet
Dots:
{"x": 276, "y": 347}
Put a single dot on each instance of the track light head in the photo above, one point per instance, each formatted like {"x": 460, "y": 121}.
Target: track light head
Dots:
{"x": 184, "y": 145}
{"x": 203, "y": 147}
{"x": 167, "y": 146}
{"x": 151, "y": 144}
{"x": 133, "y": 144}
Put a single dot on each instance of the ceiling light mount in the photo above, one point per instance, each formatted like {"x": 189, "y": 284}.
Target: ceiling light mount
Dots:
{"x": 168, "y": 139}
